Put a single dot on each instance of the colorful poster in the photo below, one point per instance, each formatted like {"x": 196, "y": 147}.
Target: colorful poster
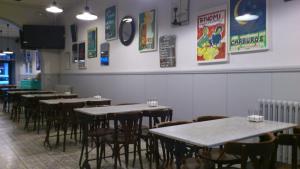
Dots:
{"x": 111, "y": 23}
{"x": 212, "y": 36}
{"x": 248, "y": 25}
{"x": 147, "y": 31}
{"x": 92, "y": 43}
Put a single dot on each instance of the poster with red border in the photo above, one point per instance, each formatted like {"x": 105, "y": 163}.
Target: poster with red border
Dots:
{"x": 212, "y": 36}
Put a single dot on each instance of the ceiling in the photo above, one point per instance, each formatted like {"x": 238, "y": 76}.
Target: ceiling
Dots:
{"x": 43, "y": 3}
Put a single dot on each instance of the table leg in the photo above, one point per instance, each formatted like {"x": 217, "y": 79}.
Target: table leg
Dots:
{"x": 84, "y": 144}
{"x": 179, "y": 153}
{"x": 156, "y": 151}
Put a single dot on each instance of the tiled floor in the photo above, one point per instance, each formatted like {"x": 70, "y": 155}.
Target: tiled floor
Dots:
{"x": 21, "y": 149}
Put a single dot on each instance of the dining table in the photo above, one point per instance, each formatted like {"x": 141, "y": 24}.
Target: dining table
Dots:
{"x": 214, "y": 133}
{"x": 31, "y": 105}
{"x": 15, "y": 98}
{"x": 4, "y": 95}
{"x": 89, "y": 114}
{"x": 51, "y": 106}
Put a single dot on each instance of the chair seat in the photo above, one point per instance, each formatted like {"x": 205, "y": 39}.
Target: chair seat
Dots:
{"x": 218, "y": 156}
{"x": 101, "y": 132}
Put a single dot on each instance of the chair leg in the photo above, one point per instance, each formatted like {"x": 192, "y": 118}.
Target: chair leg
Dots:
{"x": 134, "y": 154}
{"x": 98, "y": 151}
{"x": 116, "y": 154}
{"x": 57, "y": 134}
{"x": 102, "y": 151}
{"x": 140, "y": 154}
{"x": 126, "y": 147}
{"x": 65, "y": 137}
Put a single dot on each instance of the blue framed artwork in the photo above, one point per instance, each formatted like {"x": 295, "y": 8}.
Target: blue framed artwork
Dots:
{"x": 248, "y": 25}
{"x": 111, "y": 23}
{"x": 92, "y": 43}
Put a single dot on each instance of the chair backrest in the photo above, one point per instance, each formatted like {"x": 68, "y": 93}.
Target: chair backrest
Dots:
{"x": 97, "y": 103}
{"x": 68, "y": 96}
{"x": 260, "y": 153}
{"x": 172, "y": 123}
{"x": 124, "y": 104}
{"x": 289, "y": 140}
{"x": 67, "y": 110}
{"x": 158, "y": 116}
{"x": 168, "y": 145}
{"x": 128, "y": 124}
{"x": 208, "y": 118}
{"x": 296, "y": 130}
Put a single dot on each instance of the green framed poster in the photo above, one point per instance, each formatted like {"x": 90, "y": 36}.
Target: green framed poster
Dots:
{"x": 92, "y": 43}
{"x": 147, "y": 31}
{"x": 248, "y": 25}
{"x": 111, "y": 23}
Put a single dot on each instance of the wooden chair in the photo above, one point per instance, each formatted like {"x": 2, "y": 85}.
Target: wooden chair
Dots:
{"x": 127, "y": 131}
{"x": 291, "y": 140}
{"x": 155, "y": 117}
{"x": 97, "y": 103}
{"x": 66, "y": 118}
{"x": 208, "y": 118}
{"x": 168, "y": 145}
{"x": 260, "y": 154}
{"x": 124, "y": 104}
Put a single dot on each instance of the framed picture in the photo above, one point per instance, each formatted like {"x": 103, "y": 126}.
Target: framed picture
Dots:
{"x": 167, "y": 51}
{"x": 147, "y": 31}
{"x": 111, "y": 23}
{"x": 248, "y": 25}
{"x": 81, "y": 55}
{"x": 75, "y": 53}
{"x": 92, "y": 43}
{"x": 104, "y": 54}
{"x": 212, "y": 36}
{"x": 180, "y": 12}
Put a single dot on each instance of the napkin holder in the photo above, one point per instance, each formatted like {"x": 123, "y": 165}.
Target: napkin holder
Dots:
{"x": 255, "y": 118}
{"x": 97, "y": 97}
{"x": 152, "y": 103}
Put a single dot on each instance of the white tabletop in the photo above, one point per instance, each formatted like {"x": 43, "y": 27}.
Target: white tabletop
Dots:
{"x": 73, "y": 100}
{"x": 99, "y": 111}
{"x": 217, "y": 132}
{"x": 47, "y": 95}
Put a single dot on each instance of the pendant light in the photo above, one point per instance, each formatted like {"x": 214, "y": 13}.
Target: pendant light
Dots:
{"x": 53, "y": 8}
{"x": 86, "y": 15}
{"x": 8, "y": 51}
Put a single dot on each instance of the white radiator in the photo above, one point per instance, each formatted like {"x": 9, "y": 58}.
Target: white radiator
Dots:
{"x": 282, "y": 111}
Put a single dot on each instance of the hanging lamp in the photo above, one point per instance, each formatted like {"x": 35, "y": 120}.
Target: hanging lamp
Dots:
{"x": 53, "y": 8}
{"x": 8, "y": 51}
{"x": 86, "y": 15}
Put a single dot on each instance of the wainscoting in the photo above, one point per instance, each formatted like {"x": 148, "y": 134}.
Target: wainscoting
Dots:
{"x": 191, "y": 94}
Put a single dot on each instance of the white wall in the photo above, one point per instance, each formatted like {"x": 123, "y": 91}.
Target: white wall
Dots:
{"x": 283, "y": 37}
{"x": 190, "y": 89}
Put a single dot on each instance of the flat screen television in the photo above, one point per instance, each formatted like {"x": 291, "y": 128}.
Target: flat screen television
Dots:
{"x": 42, "y": 37}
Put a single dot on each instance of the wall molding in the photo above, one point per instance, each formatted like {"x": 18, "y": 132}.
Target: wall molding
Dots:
{"x": 273, "y": 69}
